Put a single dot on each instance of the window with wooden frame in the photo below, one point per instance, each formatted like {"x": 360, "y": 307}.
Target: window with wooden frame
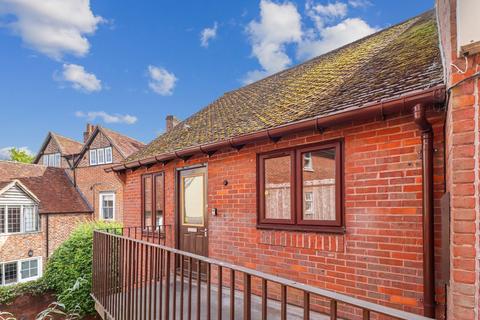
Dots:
{"x": 301, "y": 188}
{"x": 153, "y": 200}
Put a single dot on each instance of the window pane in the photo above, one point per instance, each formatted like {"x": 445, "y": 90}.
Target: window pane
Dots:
{"x": 51, "y": 160}
{"x": 193, "y": 200}
{"x": 319, "y": 186}
{"x": 159, "y": 205}
{"x": 29, "y": 218}
{"x": 108, "y": 155}
{"x": 147, "y": 201}
{"x": 278, "y": 175}
{"x": 45, "y": 160}
{"x": 57, "y": 160}
{"x": 2, "y": 220}
{"x": 93, "y": 157}
{"x": 101, "y": 156}
{"x": 10, "y": 272}
{"x": 13, "y": 219}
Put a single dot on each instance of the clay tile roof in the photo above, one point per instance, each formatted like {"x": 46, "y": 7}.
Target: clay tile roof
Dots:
{"x": 51, "y": 185}
{"x": 392, "y": 62}
{"x": 126, "y": 145}
{"x": 67, "y": 145}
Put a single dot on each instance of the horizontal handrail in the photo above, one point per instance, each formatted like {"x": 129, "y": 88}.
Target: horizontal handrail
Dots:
{"x": 338, "y": 297}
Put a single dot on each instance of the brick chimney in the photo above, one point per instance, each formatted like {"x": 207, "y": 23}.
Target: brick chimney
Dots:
{"x": 88, "y": 131}
{"x": 172, "y": 121}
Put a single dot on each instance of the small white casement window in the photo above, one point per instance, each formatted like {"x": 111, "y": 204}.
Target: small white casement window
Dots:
{"x": 93, "y": 157}
{"x": 108, "y": 155}
{"x": 307, "y": 161}
{"x": 20, "y": 271}
{"x": 57, "y": 160}
{"x": 308, "y": 204}
{"x": 45, "y": 160}
{"x": 107, "y": 205}
{"x": 100, "y": 156}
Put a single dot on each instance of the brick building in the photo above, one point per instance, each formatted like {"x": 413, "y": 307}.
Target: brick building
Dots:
{"x": 86, "y": 162}
{"x": 39, "y": 208}
{"x": 316, "y": 173}
{"x": 356, "y": 171}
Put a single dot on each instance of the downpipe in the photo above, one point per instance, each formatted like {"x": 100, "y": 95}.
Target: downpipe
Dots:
{"x": 427, "y": 208}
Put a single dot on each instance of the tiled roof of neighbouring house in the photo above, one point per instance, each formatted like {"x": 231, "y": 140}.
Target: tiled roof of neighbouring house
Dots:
{"x": 68, "y": 146}
{"x": 126, "y": 145}
{"x": 51, "y": 186}
{"x": 394, "y": 61}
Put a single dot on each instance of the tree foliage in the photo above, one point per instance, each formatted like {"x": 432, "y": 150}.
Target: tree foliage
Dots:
{"x": 69, "y": 269}
{"x": 20, "y": 155}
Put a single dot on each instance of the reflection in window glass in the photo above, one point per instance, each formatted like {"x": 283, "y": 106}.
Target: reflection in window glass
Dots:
{"x": 159, "y": 205}
{"x": 193, "y": 200}
{"x": 278, "y": 175}
{"x": 147, "y": 201}
{"x": 319, "y": 186}
{"x": 29, "y": 269}
{"x": 29, "y": 218}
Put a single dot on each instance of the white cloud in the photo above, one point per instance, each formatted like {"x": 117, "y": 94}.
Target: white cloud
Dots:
{"x": 330, "y": 38}
{"x": 106, "y": 117}
{"x": 320, "y": 14}
{"x": 161, "y": 81}
{"x": 80, "y": 79}
{"x": 5, "y": 152}
{"x": 279, "y": 25}
{"x": 208, "y": 34}
{"x": 359, "y": 3}
{"x": 52, "y": 27}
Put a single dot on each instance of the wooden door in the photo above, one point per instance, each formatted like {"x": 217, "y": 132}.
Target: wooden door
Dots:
{"x": 192, "y": 211}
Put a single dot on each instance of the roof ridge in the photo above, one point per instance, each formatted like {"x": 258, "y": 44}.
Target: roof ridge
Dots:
{"x": 65, "y": 137}
{"x": 121, "y": 134}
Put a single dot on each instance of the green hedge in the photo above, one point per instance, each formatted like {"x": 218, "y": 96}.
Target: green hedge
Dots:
{"x": 9, "y": 293}
{"x": 69, "y": 269}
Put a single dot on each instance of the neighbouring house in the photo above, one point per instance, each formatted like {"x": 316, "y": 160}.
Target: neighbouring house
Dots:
{"x": 39, "y": 208}
{"x": 356, "y": 172}
{"x": 86, "y": 162}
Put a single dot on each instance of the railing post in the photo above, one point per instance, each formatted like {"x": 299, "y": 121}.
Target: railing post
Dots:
{"x": 247, "y": 302}
{"x": 167, "y": 286}
{"x": 306, "y": 305}
{"x": 333, "y": 310}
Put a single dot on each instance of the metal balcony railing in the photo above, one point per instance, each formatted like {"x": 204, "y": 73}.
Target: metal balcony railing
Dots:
{"x": 135, "y": 276}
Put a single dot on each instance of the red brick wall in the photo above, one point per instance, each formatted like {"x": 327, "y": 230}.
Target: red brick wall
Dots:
{"x": 380, "y": 256}
{"x": 462, "y": 154}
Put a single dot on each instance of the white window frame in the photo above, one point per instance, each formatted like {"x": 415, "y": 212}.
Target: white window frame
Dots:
{"x": 309, "y": 165}
{"x": 100, "y": 197}
{"x": 101, "y": 156}
{"x": 52, "y": 159}
{"x": 309, "y": 200}
{"x": 108, "y": 151}
{"x": 36, "y": 217}
{"x": 19, "y": 271}
{"x": 93, "y": 157}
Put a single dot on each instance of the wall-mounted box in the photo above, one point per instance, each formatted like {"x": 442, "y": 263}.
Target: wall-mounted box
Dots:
{"x": 468, "y": 26}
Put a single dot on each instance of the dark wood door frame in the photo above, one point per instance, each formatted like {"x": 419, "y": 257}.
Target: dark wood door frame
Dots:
{"x": 177, "y": 200}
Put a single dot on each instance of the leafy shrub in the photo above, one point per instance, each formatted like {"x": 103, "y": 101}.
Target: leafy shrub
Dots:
{"x": 9, "y": 293}
{"x": 69, "y": 269}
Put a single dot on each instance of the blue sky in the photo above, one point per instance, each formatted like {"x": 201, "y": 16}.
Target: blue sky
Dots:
{"x": 127, "y": 64}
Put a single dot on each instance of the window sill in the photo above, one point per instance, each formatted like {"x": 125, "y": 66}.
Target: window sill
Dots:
{"x": 303, "y": 228}
{"x": 20, "y": 233}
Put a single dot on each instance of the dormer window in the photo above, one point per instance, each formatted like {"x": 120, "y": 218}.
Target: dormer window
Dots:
{"x": 51, "y": 160}
{"x": 101, "y": 156}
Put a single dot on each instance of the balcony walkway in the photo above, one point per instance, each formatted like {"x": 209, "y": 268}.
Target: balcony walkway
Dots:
{"x": 273, "y": 310}
{"x": 130, "y": 278}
